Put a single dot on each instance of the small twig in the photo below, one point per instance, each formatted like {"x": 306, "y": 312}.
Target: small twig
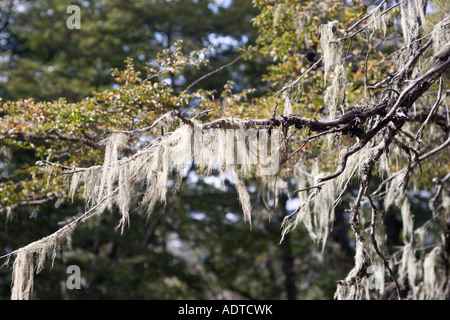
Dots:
{"x": 202, "y": 113}
{"x": 215, "y": 71}
{"x": 341, "y": 195}
{"x": 289, "y": 216}
{"x": 155, "y": 123}
{"x": 365, "y": 74}
{"x": 298, "y": 79}
{"x": 293, "y": 153}
{"x": 334, "y": 130}
{"x": 433, "y": 151}
{"x": 361, "y": 20}
{"x": 440, "y": 183}
{"x": 420, "y": 158}
{"x": 56, "y": 165}
{"x": 419, "y": 134}
{"x": 390, "y": 89}
{"x": 368, "y": 24}
{"x": 275, "y": 111}
{"x": 342, "y": 165}
{"x": 433, "y": 71}
{"x": 30, "y": 202}
{"x": 292, "y": 134}
{"x": 379, "y": 84}
{"x": 406, "y": 46}
{"x": 309, "y": 188}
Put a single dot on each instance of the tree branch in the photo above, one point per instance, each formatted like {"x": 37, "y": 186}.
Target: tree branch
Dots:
{"x": 29, "y": 202}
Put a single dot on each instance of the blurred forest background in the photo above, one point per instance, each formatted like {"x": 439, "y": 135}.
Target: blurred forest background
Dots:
{"x": 198, "y": 246}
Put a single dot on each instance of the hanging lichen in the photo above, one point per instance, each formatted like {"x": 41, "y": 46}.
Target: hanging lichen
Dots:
{"x": 335, "y": 92}
{"x": 287, "y": 103}
{"x": 412, "y": 18}
{"x": 377, "y": 20}
{"x": 353, "y": 286}
{"x": 30, "y": 260}
{"x": 441, "y": 35}
{"x": 432, "y": 272}
{"x": 332, "y": 46}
